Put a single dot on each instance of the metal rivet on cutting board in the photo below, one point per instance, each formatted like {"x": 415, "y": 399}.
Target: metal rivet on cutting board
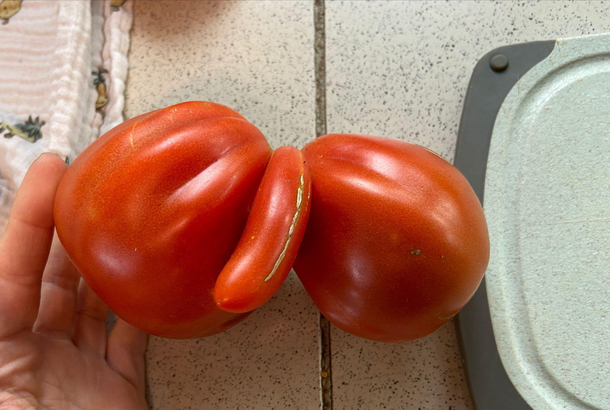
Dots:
{"x": 499, "y": 63}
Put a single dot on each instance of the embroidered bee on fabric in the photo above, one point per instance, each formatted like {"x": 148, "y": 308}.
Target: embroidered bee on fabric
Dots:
{"x": 29, "y": 130}
{"x": 8, "y": 8}
{"x": 115, "y": 5}
{"x": 100, "y": 84}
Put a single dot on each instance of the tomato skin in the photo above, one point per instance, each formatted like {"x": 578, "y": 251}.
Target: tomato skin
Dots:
{"x": 270, "y": 241}
{"x": 396, "y": 242}
{"x": 152, "y": 211}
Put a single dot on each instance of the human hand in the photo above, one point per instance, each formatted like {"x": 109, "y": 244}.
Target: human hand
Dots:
{"x": 54, "y": 349}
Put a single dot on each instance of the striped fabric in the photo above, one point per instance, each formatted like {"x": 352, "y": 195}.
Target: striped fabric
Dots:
{"x": 63, "y": 66}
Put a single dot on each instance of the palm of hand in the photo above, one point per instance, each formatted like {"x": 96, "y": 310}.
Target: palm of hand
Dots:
{"x": 54, "y": 374}
{"x": 54, "y": 349}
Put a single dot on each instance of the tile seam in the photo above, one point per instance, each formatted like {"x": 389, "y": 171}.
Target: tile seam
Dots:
{"x": 325, "y": 375}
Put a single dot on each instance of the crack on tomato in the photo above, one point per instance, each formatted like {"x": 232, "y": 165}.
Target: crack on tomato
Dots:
{"x": 133, "y": 129}
{"x": 295, "y": 219}
{"x": 449, "y": 317}
{"x": 171, "y": 115}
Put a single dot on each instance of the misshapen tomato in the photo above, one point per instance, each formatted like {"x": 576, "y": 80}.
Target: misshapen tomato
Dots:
{"x": 151, "y": 212}
{"x": 396, "y": 242}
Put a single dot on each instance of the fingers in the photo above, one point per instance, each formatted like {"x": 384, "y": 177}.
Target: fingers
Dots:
{"x": 24, "y": 247}
{"x": 59, "y": 294}
{"x": 125, "y": 353}
{"x": 90, "y": 328}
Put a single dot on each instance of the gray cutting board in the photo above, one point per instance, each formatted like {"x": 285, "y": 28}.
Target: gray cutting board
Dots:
{"x": 547, "y": 200}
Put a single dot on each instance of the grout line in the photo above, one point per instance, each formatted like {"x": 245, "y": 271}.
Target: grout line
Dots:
{"x": 326, "y": 392}
{"x": 320, "y": 65}
{"x": 326, "y": 381}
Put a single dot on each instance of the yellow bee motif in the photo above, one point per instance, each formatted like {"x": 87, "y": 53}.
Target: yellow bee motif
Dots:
{"x": 115, "y": 5}
{"x": 29, "y": 131}
{"x": 100, "y": 85}
{"x": 8, "y": 8}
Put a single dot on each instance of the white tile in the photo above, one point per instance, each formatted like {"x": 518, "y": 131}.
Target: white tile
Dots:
{"x": 423, "y": 374}
{"x": 270, "y": 361}
{"x": 256, "y": 57}
{"x": 401, "y": 70}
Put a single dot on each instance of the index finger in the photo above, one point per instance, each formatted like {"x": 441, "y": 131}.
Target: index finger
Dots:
{"x": 25, "y": 245}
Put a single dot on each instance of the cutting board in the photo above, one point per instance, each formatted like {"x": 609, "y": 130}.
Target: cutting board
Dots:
{"x": 534, "y": 142}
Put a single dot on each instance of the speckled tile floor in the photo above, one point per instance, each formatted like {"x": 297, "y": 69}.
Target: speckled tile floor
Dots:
{"x": 396, "y": 69}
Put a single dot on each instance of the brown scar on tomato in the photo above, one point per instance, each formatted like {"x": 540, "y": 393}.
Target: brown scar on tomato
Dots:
{"x": 171, "y": 114}
{"x": 449, "y": 317}
{"x": 133, "y": 129}
{"x": 295, "y": 218}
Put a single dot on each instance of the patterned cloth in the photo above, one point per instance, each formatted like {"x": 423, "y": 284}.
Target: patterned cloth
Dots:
{"x": 63, "y": 66}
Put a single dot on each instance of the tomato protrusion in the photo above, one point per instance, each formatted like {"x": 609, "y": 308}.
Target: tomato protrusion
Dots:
{"x": 267, "y": 248}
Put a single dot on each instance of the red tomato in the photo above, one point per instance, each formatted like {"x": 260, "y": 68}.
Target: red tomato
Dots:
{"x": 396, "y": 242}
{"x": 275, "y": 229}
{"x": 151, "y": 212}
{"x": 156, "y": 217}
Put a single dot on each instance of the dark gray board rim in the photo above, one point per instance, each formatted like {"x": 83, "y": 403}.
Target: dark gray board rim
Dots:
{"x": 490, "y": 386}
